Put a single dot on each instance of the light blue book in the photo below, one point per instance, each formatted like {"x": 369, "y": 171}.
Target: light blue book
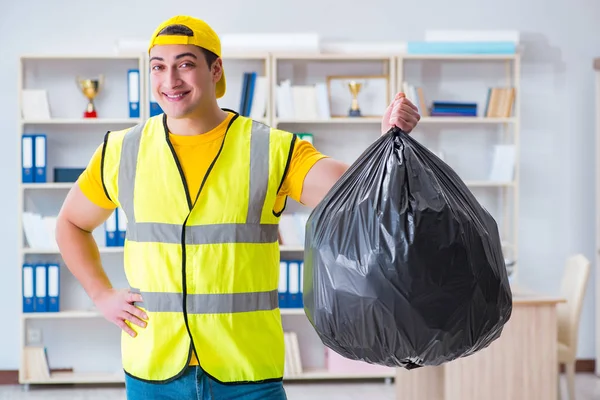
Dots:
{"x": 461, "y": 48}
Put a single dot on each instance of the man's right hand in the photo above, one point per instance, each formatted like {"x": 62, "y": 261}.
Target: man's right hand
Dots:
{"x": 76, "y": 221}
{"x": 117, "y": 307}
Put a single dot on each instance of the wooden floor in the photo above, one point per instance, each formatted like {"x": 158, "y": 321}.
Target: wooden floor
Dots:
{"x": 588, "y": 388}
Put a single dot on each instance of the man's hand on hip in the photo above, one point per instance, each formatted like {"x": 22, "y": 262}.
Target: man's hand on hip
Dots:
{"x": 117, "y": 307}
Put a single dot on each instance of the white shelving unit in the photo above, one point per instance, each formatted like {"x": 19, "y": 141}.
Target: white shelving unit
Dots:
{"x": 70, "y": 142}
{"x": 78, "y": 138}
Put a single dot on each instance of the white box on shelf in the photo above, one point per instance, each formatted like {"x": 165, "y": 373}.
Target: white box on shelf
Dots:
{"x": 34, "y": 104}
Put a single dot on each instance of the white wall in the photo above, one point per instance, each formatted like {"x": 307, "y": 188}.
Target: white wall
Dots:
{"x": 561, "y": 38}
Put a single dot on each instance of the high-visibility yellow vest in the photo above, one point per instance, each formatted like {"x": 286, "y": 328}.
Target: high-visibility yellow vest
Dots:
{"x": 206, "y": 264}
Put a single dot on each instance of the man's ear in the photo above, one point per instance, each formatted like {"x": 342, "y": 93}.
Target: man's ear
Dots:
{"x": 217, "y": 70}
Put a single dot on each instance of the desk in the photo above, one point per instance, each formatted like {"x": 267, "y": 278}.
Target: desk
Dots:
{"x": 521, "y": 364}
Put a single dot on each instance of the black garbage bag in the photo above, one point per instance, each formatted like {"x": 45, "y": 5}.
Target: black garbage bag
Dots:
{"x": 403, "y": 267}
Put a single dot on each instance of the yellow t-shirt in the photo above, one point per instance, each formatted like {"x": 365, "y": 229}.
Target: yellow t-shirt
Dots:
{"x": 195, "y": 154}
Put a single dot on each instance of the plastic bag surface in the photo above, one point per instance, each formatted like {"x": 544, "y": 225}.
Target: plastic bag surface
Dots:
{"x": 403, "y": 267}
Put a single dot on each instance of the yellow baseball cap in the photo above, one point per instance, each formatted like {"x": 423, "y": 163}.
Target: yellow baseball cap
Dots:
{"x": 203, "y": 36}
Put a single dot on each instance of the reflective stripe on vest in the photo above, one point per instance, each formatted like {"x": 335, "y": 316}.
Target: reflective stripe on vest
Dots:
{"x": 250, "y": 232}
{"x": 209, "y": 303}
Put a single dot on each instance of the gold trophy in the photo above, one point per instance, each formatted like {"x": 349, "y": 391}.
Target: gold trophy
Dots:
{"x": 354, "y": 89}
{"x": 90, "y": 89}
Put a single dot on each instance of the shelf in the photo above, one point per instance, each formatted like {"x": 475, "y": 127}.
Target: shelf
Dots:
{"x": 292, "y": 311}
{"x": 96, "y": 314}
{"x": 62, "y": 57}
{"x": 47, "y": 186}
{"x": 245, "y": 56}
{"x": 489, "y": 184}
{"x": 63, "y": 314}
{"x": 28, "y": 250}
{"x": 466, "y": 120}
{"x": 78, "y": 377}
{"x": 119, "y": 249}
{"x": 459, "y": 57}
{"x": 99, "y": 377}
{"x": 80, "y": 121}
{"x": 377, "y": 120}
{"x": 291, "y": 248}
{"x": 340, "y": 120}
{"x": 322, "y": 374}
{"x": 333, "y": 56}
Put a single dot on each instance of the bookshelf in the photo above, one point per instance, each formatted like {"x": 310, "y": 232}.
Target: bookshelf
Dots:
{"x": 55, "y": 339}
{"x": 72, "y": 139}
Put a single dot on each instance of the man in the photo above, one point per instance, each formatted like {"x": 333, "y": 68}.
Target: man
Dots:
{"x": 202, "y": 189}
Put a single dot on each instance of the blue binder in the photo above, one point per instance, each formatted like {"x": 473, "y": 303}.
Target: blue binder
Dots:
{"x": 28, "y": 288}
{"x": 121, "y": 227}
{"x": 41, "y": 288}
{"x": 301, "y": 300}
{"x": 283, "y": 284}
{"x": 27, "y": 162}
{"x": 155, "y": 109}
{"x": 250, "y": 93}
{"x": 110, "y": 226}
{"x": 244, "y": 97}
{"x": 53, "y": 279}
{"x": 40, "y": 158}
{"x": 133, "y": 92}
{"x": 294, "y": 295}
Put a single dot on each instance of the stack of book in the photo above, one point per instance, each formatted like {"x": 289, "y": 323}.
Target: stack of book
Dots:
{"x": 35, "y": 359}
{"x": 302, "y": 102}
{"x": 453, "y": 109}
{"x": 253, "y": 100}
{"x": 500, "y": 101}
{"x": 293, "y": 361}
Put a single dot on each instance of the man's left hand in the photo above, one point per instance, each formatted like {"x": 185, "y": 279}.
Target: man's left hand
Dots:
{"x": 401, "y": 113}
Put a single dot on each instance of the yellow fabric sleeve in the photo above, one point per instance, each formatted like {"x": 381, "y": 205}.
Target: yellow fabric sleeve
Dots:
{"x": 90, "y": 182}
{"x": 304, "y": 156}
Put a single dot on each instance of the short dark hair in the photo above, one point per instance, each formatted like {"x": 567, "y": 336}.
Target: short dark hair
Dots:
{"x": 183, "y": 30}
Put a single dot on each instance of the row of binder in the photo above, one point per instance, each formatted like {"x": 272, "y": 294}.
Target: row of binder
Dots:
{"x": 134, "y": 94}
{"x": 290, "y": 283}
{"x": 253, "y": 99}
{"x": 116, "y": 228}
{"x": 41, "y": 287}
{"x": 33, "y": 158}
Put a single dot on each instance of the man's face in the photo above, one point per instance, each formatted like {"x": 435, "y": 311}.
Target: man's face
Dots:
{"x": 181, "y": 80}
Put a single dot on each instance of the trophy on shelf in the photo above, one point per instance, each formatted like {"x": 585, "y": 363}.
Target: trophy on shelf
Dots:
{"x": 90, "y": 89}
{"x": 354, "y": 90}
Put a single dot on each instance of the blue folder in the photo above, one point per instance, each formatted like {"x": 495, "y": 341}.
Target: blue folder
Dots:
{"x": 28, "y": 288}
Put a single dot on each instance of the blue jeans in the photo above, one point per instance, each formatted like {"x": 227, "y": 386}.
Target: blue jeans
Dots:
{"x": 194, "y": 384}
